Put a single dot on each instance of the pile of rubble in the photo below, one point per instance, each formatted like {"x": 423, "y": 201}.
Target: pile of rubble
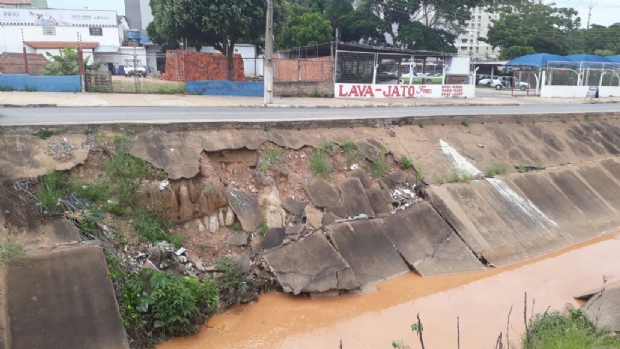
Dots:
{"x": 61, "y": 149}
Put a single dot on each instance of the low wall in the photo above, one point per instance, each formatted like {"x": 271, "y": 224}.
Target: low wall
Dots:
{"x": 226, "y": 88}
{"x": 20, "y": 82}
{"x": 577, "y": 91}
{"x": 404, "y": 91}
{"x": 301, "y": 88}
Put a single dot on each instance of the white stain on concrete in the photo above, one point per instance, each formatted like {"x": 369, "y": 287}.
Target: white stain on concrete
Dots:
{"x": 520, "y": 203}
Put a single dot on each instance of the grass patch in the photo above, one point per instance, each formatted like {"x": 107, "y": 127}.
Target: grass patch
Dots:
{"x": 350, "y": 150}
{"x": 328, "y": 148}
{"x": 115, "y": 209}
{"x": 45, "y": 133}
{"x": 9, "y": 252}
{"x": 455, "y": 176}
{"x": 569, "y": 330}
{"x": 273, "y": 154}
{"x": 419, "y": 174}
{"x": 465, "y": 123}
{"x": 95, "y": 192}
{"x": 378, "y": 167}
{"x": 235, "y": 227}
{"x": 421, "y": 125}
{"x": 151, "y": 228}
{"x": 496, "y": 170}
{"x": 404, "y": 162}
{"x": 122, "y": 142}
{"x": 262, "y": 229}
{"x": 264, "y": 166}
{"x": 125, "y": 172}
{"x": 319, "y": 166}
{"x": 51, "y": 189}
{"x": 521, "y": 167}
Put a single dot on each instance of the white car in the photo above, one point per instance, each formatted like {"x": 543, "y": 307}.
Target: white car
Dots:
{"x": 495, "y": 82}
{"x": 130, "y": 71}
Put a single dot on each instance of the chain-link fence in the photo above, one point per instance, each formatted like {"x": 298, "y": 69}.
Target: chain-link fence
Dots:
{"x": 582, "y": 74}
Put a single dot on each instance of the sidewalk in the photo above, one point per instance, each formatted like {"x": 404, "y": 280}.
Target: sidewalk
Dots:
{"x": 68, "y": 99}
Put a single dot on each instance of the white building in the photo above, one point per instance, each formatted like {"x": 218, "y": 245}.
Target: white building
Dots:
{"x": 468, "y": 43}
{"x": 49, "y": 30}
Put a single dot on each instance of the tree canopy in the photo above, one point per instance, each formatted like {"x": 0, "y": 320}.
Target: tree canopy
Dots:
{"x": 66, "y": 62}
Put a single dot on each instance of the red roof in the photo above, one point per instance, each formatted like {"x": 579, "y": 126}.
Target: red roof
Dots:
{"x": 60, "y": 44}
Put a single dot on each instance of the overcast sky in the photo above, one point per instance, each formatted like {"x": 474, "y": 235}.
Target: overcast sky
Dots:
{"x": 604, "y": 12}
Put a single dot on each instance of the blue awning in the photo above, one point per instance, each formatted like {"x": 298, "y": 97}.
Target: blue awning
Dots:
{"x": 588, "y": 58}
{"x": 615, "y": 59}
{"x": 537, "y": 60}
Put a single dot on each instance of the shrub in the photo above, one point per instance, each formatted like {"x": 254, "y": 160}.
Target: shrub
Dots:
{"x": 465, "y": 178}
{"x": 96, "y": 192}
{"x": 45, "y": 133}
{"x": 502, "y": 169}
{"x": 570, "y": 330}
{"x": 234, "y": 288}
{"x": 404, "y": 162}
{"x": 349, "y": 147}
{"x": 9, "y": 252}
{"x": 455, "y": 176}
{"x": 206, "y": 293}
{"x": 319, "y": 165}
{"x": 151, "y": 228}
{"x": 52, "y": 188}
{"x": 465, "y": 123}
{"x": 125, "y": 172}
{"x": 491, "y": 171}
{"x": 173, "y": 304}
{"x": 235, "y": 227}
{"x": 378, "y": 167}
{"x": 262, "y": 229}
{"x": 114, "y": 209}
{"x": 122, "y": 142}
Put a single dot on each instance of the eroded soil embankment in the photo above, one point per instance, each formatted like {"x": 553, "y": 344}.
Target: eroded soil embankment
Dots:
{"x": 274, "y": 194}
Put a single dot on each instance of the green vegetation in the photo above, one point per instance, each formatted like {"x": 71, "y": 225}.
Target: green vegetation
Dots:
{"x": 9, "y": 252}
{"x": 404, "y": 162}
{"x": 155, "y": 305}
{"x": 262, "y": 229}
{"x": 465, "y": 178}
{"x": 319, "y": 166}
{"x": 455, "y": 176}
{"x": 465, "y": 123}
{"x": 235, "y": 227}
{"x": 45, "y": 133}
{"x": 569, "y": 330}
{"x": 96, "y": 192}
{"x": 496, "y": 170}
{"x": 66, "y": 63}
{"x": 421, "y": 125}
{"x": 122, "y": 142}
{"x": 51, "y": 190}
{"x": 328, "y": 147}
{"x": 273, "y": 154}
{"x": 234, "y": 288}
{"x": 350, "y": 150}
{"x": 151, "y": 228}
{"x": 378, "y": 167}
{"x": 521, "y": 166}
{"x": 419, "y": 175}
{"x": 125, "y": 173}
{"x": 264, "y": 166}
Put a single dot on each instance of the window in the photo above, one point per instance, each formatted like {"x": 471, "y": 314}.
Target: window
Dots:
{"x": 470, "y": 48}
{"x": 478, "y": 24}
{"x": 477, "y": 49}
{"x": 49, "y": 30}
{"x": 95, "y": 31}
{"x": 464, "y": 41}
{"x": 479, "y": 17}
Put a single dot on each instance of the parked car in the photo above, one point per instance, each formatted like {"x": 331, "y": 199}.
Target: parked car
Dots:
{"x": 509, "y": 82}
{"x": 482, "y": 77}
{"x": 130, "y": 71}
{"x": 495, "y": 81}
{"x": 430, "y": 78}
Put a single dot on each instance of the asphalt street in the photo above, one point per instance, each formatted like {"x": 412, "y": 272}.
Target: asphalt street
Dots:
{"x": 96, "y": 115}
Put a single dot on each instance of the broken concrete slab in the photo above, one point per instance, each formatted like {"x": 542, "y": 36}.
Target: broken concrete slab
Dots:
{"x": 233, "y": 139}
{"x": 246, "y": 208}
{"x": 310, "y": 265}
{"x": 294, "y": 230}
{"x": 329, "y": 219}
{"x": 238, "y": 239}
{"x": 359, "y": 173}
{"x": 354, "y": 197}
{"x": 379, "y": 201}
{"x": 339, "y": 211}
{"x": 371, "y": 148}
{"x": 272, "y": 238}
{"x": 295, "y": 207}
{"x": 322, "y": 194}
{"x": 244, "y": 263}
{"x": 368, "y": 250}
{"x": 314, "y": 218}
{"x": 603, "y": 308}
{"x": 427, "y": 243}
{"x": 63, "y": 299}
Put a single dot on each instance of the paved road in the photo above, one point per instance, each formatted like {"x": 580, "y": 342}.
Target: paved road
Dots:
{"x": 90, "y": 115}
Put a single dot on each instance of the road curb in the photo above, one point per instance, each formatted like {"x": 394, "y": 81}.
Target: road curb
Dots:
{"x": 35, "y": 105}
{"x": 353, "y": 106}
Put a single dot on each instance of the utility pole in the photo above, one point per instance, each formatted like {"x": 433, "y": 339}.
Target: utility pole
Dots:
{"x": 589, "y": 16}
{"x": 268, "y": 60}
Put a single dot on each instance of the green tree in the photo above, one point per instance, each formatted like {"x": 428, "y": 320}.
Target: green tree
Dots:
{"x": 310, "y": 29}
{"x": 335, "y": 10}
{"x": 66, "y": 63}
{"x": 218, "y": 23}
{"x": 364, "y": 23}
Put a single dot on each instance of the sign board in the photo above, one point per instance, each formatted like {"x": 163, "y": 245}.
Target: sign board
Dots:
{"x": 403, "y": 91}
{"x": 592, "y": 92}
{"x": 457, "y": 65}
{"x": 57, "y": 18}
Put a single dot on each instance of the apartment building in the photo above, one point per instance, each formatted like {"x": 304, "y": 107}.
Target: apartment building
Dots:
{"x": 23, "y": 3}
{"x": 468, "y": 43}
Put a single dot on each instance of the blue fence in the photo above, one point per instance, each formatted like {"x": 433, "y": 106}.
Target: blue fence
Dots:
{"x": 226, "y": 88}
{"x": 25, "y": 82}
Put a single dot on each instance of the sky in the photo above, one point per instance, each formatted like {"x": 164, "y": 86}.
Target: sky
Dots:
{"x": 604, "y": 12}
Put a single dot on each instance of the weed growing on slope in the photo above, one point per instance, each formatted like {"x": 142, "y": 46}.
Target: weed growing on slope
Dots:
{"x": 404, "y": 162}
{"x": 45, "y": 133}
{"x": 151, "y": 228}
{"x": 378, "y": 167}
{"x": 350, "y": 151}
{"x": 234, "y": 287}
{"x": 262, "y": 229}
{"x": 319, "y": 166}
{"x": 328, "y": 148}
{"x": 9, "y": 252}
{"x": 51, "y": 189}
{"x": 125, "y": 172}
{"x": 96, "y": 192}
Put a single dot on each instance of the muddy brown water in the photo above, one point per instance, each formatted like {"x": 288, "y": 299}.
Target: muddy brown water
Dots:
{"x": 481, "y": 300}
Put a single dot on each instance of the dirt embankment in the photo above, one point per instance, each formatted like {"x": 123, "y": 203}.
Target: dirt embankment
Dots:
{"x": 335, "y": 209}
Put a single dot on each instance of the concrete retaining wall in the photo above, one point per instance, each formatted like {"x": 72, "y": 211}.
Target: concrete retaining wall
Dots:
{"x": 577, "y": 91}
{"x": 20, "y": 82}
{"x": 226, "y": 88}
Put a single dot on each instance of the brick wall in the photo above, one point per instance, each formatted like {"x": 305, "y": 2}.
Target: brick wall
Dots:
{"x": 199, "y": 66}
{"x": 13, "y": 63}
{"x": 311, "y": 69}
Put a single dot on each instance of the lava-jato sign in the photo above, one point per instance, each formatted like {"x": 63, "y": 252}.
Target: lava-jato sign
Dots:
{"x": 403, "y": 91}
{"x": 57, "y": 18}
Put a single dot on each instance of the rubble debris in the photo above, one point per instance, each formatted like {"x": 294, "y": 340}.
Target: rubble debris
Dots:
{"x": 61, "y": 149}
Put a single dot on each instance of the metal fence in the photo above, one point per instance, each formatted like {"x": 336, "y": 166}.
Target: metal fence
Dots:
{"x": 582, "y": 74}
{"x": 386, "y": 68}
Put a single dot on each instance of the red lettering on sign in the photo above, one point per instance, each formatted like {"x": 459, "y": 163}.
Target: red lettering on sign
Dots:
{"x": 367, "y": 92}
{"x": 395, "y": 92}
{"x": 341, "y": 93}
{"x": 424, "y": 90}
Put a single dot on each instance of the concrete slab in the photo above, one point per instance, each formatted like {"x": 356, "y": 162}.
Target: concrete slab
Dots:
{"x": 322, "y": 194}
{"x": 542, "y": 193}
{"x": 354, "y": 197}
{"x": 246, "y": 208}
{"x": 176, "y": 153}
{"x": 310, "y": 265}
{"x": 604, "y": 308}
{"x": 427, "y": 243}
{"x": 603, "y": 183}
{"x": 359, "y": 173}
{"x": 272, "y": 238}
{"x": 379, "y": 200}
{"x": 586, "y": 200}
{"x": 613, "y": 167}
{"x": 63, "y": 299}
{"x": 368, "y": 250}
